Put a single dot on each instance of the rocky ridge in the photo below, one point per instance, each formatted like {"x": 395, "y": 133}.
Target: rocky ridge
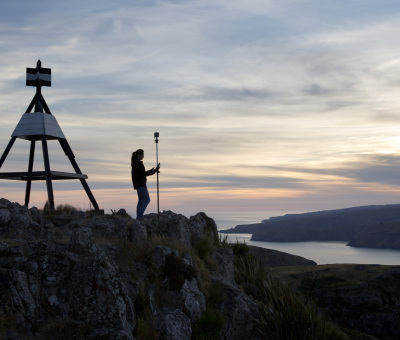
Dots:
{"x": 112, "y": 277}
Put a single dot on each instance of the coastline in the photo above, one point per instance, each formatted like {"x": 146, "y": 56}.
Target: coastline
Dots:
{"x": 322, "y": 253}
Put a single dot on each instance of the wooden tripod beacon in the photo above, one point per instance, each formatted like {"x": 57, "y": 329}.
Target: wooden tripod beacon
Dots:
{"x": 41, "y": 125}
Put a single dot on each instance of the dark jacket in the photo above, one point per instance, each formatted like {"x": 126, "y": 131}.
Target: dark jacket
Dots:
{"x": 139, "y": 174}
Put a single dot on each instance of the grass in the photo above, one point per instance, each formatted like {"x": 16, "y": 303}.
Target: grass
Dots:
{"x": 204, "y": 247}
{"x": 285, "y": 315}
{"x": 145, "y": 327}
{"x": 209, "y": 325}
{"x": 62, "y": 329}
{"x": 61, "y": 209}
{"x": 7, "y": 322}
{"x": 328, "y": 284}
{"x": 215, "y": 293}
{"x": 288, "y": 316}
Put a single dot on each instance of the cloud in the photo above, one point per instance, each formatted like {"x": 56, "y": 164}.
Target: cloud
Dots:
{"x": 297, "y": 100}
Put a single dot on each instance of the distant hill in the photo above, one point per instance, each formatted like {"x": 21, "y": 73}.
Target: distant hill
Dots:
{"x": 378, "y": 236}
{"x": 275, "y": 258}
{"x": 367, "y": 226}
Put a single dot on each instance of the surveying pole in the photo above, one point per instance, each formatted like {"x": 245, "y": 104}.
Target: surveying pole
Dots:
{"x": 156, "y": 135}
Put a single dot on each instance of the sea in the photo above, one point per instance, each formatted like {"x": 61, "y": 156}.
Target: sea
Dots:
{"x": 320, "y": 252}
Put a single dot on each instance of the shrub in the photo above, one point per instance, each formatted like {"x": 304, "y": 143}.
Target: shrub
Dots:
{"x": 208, "y": 325}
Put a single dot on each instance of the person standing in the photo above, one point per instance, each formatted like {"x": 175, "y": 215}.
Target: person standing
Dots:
{"x": 139, "y": 180}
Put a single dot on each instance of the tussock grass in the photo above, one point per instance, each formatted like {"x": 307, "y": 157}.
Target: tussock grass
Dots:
{"x": 223, "y": 241}
{"x": 286, "y": 315}
{"x": 61, "y": 209}
{"x": 146, "y": 323}
{"x": 145, "y": 327}
{"x": 215, "y": 293}
{"x": 204, "y": 247}
{"x": 62, "y": 329}
{"x": 7, "y": 322}
{"x": 209, "y": 325}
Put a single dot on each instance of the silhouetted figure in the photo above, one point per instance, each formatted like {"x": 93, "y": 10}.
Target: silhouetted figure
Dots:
{"x": 139, "y": 180}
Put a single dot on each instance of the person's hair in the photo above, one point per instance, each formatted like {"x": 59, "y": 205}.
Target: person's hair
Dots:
{"x": 135, "y": 154}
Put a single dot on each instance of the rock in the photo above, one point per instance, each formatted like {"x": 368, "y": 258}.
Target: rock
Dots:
{"x": 122, "y": 212}
{"x": 108, "y": 225}
{"x": 138, "y": 232}
{"x": 191, "y": 300}
{"x": 53, "y": 300}
{"x": 173, "y": 226}
{"x": 5, "y": 216}
{"x": 61, "y": 220}
{"x": 240, "y": 312}
{"x": 201, "y": 225}
{"x": 173, "y": 324}
{"x": 224, "y": 258}
{"x": 3, "y": 248}
{"x": 159, "y": 254}
{"x": 36, "y": 215}
{"x": 187, "y": 258}
{"x": 81, "y": 241}
{"x": 99, "y": 296}
{"x": 17, "y": 299}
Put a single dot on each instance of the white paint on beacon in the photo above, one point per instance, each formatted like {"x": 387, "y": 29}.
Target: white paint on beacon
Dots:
{"x": 38, "y": 124}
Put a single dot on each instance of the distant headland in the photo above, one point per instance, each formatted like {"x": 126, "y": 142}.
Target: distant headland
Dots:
{"x": 374, "y": 226}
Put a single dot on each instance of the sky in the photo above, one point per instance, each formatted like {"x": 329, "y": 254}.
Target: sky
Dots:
{"x": 263, "y": 107}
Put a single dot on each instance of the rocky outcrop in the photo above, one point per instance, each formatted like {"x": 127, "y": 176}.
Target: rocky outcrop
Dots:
{"x": 112, "y": 277}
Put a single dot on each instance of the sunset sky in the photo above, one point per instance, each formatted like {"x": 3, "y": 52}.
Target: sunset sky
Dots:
{"x": 263, "y": 107}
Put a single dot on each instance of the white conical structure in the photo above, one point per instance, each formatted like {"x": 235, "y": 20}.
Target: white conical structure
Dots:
{"x": 34, "y": 125}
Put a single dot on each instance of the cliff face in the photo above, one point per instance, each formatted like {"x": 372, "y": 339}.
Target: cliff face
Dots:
{"x": 112, "y": 277}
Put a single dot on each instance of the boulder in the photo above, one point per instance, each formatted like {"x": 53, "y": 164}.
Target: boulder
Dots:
{"x": 224, "y": 259}
{"x": 190, "y": 299}
{"x": 81, "y": 241}
{"x": 138, "y": 232}
{"x": 240, "y": 315}
{"x": 109, "y": 226}
{"x": 5, "y": 216}
{"x": 173, "y": 324}
{"x": 159, "y": 254}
